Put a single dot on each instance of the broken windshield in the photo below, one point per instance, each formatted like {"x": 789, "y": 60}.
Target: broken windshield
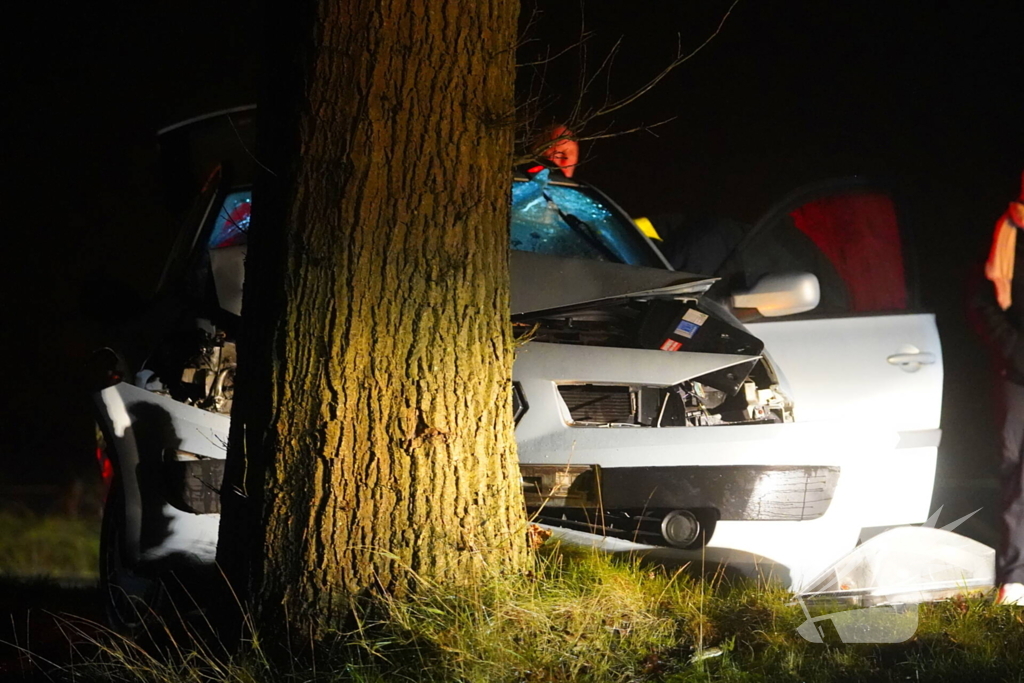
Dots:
{"x": 568, "y": 221}
{"x": 547, "y": 218}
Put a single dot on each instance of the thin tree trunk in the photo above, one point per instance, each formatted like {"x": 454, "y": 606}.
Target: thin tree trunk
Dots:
{"x": 372, "y": 433}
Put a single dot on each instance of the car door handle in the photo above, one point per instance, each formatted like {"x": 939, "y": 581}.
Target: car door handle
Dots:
{"x": 911, "y": 362}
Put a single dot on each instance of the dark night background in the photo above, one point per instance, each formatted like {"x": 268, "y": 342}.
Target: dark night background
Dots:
{"x": 925, "y": 95}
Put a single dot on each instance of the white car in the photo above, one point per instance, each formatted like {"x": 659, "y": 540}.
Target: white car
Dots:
{"x": 832, "y": 437}
{"x": 646, "y": 412}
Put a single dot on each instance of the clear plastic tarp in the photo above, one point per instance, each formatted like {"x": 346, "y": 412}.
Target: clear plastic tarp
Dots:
{"x": 904, "y": 565}
{"x": 907, "y": 565}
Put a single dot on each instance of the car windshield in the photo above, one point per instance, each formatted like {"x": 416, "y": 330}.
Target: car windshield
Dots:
{"x": 547, "y": 218}
{"x": 570, "y": 221}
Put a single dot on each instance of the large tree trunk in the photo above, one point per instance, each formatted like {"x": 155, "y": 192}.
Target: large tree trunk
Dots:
{"x": 372, "y": 434}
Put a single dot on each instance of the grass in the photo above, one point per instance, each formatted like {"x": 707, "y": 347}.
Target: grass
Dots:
{"x": 583, "y": 616}
{"x": 35, "y": 545}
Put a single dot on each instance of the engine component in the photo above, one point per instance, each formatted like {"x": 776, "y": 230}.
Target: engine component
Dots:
{"x": 211, "y": 374}
{"x": 196, "y": 367}
{"x": 693, "y": 403}
{"x": 683, "y": 326}
{"x": 601, "y": 404}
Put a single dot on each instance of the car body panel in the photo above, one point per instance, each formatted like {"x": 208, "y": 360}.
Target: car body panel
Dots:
{"x": 839, "y": 371}
{"x": 840, "y": 367}
{"x": 144, "y": 429}
{"x": 540, "y": 282}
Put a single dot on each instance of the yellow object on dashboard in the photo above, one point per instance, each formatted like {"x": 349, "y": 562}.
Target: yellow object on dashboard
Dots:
{"x": 647, "y": 228}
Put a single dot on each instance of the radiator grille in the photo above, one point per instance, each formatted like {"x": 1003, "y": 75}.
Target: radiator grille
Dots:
{"x": 601, "y": 404}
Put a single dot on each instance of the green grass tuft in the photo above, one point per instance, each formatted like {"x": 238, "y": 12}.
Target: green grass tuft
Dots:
{"x": 32, "y": 545}
{"x": 584, "y": 616}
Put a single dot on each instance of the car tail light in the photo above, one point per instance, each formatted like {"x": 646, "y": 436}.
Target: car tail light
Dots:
{"x": 105, "y": 464}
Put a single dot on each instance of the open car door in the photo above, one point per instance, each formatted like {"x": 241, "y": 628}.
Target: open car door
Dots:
{"x": 867, "y": 357}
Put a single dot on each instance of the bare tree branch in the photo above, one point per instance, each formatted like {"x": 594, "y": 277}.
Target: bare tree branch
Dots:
{"x": 606, "y": 64}
{"x": 645, "y": 127}
{"x": 680, "y": 59}
{"x": 558, "y": 54}
{"x": 581, "y": 116}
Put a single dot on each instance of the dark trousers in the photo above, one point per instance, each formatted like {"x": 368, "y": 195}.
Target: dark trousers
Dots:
{"x": 1010, "y": 558}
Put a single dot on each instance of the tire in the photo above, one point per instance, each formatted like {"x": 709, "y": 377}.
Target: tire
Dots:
{"x": 131, "y": 601}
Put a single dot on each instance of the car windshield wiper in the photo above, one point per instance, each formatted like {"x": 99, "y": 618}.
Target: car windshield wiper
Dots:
{"x": 584, "y": 230}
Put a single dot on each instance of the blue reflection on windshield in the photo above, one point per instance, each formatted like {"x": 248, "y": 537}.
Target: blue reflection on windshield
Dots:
{"x": 538, "y": 227}
{"x": 536, "y": 223}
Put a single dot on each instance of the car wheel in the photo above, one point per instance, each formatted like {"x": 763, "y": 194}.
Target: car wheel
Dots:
{"x": 131, "y": 601}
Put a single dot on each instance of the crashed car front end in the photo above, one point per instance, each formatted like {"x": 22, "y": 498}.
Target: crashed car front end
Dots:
{"x": 647, "y": 415}
{"x": 620, "y": 368}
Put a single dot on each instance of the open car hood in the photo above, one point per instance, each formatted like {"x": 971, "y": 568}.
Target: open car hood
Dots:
{"x": 545, "y": 283}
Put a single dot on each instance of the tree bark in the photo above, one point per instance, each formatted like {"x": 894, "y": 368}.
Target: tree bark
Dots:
{"x": 372, "y": 430}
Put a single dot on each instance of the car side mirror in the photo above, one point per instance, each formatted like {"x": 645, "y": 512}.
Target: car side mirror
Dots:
{"x": 781, "y": 294}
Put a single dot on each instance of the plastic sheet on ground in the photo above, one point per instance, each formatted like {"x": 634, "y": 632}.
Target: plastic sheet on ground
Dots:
{"x": 899, "y": 566}
{"x": 906, "y": 565}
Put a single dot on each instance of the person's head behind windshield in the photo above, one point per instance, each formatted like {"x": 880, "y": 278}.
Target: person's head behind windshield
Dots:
{"x": 558, "y": 145}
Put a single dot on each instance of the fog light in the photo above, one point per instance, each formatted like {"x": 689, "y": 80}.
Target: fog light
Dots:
{"x": 680, "y": 528}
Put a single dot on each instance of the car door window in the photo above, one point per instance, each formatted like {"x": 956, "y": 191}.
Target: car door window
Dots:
{"x": 847, "y": 233}
{"x": 859, "y": 235}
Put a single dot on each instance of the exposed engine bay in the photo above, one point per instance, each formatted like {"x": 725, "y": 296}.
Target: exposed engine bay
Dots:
{"x": 734, "y": 385}
{"x": 689, "y": 404}
{"x": 195, "y": 367}
{"x": 674, "y": 506}
{"x": 743, "y": 393}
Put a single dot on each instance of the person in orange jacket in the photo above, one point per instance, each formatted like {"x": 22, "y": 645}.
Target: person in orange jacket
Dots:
{"x": 1001, "y": 313}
